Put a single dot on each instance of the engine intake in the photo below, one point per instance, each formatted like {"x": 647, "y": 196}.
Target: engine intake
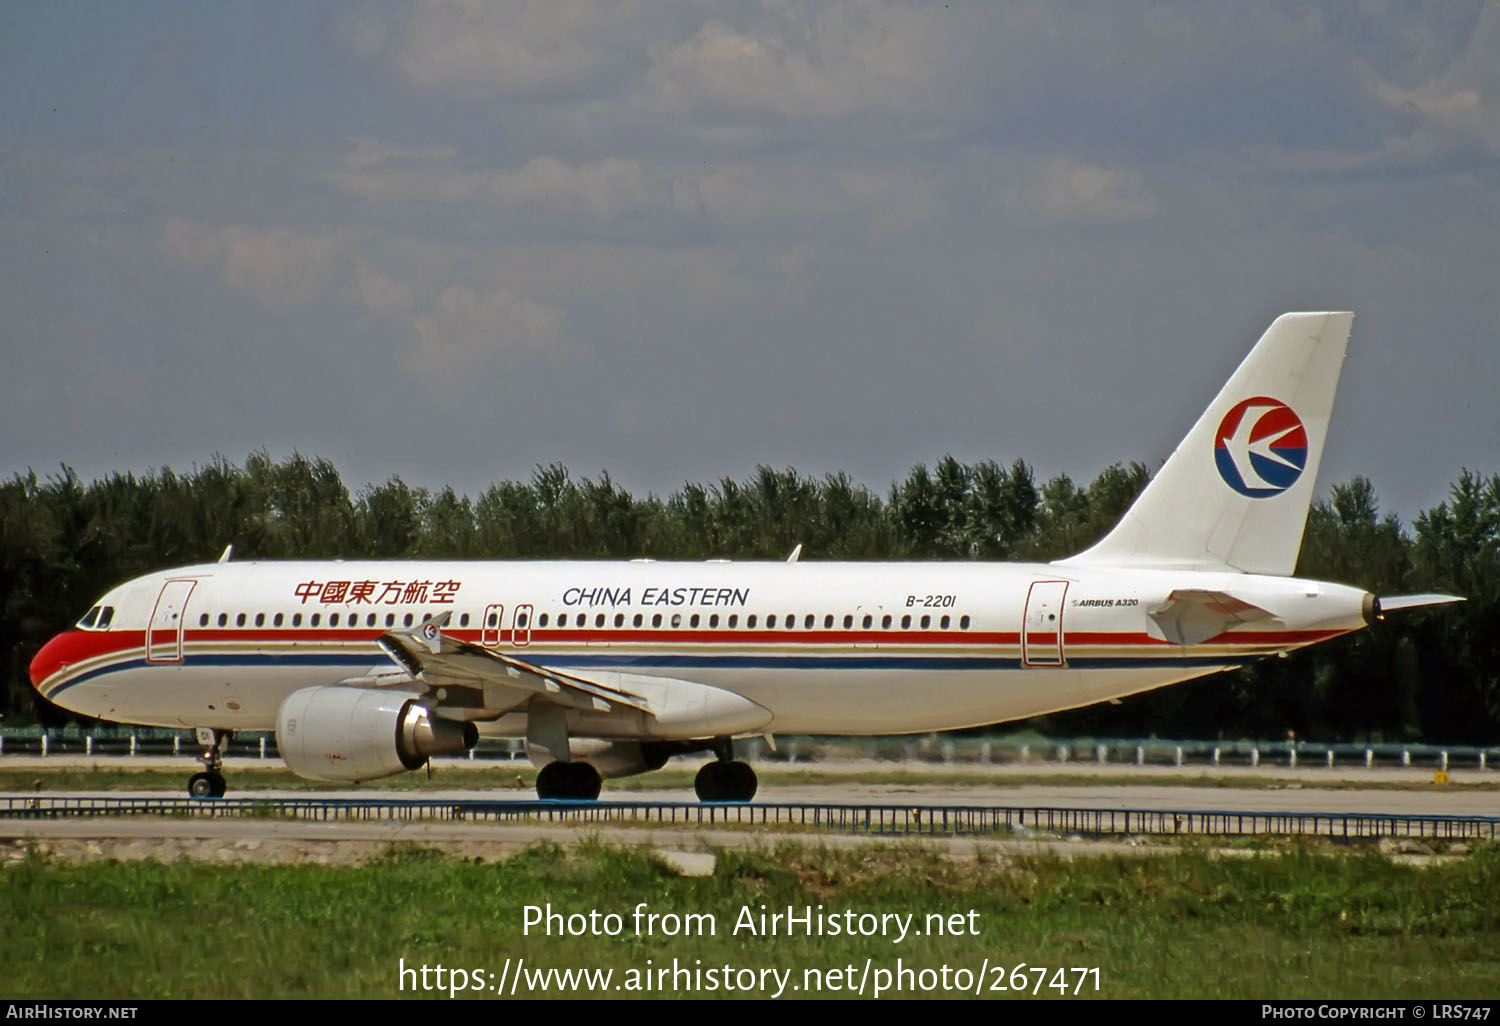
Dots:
{"x": 342, "y": 733}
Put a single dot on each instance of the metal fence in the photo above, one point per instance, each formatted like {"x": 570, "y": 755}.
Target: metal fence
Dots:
{"x": 895, "y": 820}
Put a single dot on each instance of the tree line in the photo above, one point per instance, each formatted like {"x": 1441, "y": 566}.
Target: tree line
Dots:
{"x": 1423, "y": 675}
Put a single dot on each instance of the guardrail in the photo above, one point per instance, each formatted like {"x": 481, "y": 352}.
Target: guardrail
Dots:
{"x": 940, "y": 820}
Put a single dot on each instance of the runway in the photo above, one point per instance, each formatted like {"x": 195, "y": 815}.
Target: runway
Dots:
{"x": 1127, "y": 809}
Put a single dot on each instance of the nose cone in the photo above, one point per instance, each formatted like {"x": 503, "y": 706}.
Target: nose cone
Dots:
{"x": 52, "y": 659}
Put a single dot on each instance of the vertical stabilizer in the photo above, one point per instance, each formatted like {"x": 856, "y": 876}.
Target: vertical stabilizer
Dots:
{"x": 1235, "y": 492}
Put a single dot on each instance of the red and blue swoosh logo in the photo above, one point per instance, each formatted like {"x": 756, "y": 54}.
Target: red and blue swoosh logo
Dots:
{"x": 1260, "y": 447}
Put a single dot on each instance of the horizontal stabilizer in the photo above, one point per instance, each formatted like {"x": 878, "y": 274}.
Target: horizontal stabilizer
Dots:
{"x": 1192, "y": 615}
{"x": 1387, "y": 603}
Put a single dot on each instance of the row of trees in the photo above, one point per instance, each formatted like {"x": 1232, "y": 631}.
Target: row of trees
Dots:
{"x": 1433, "y": 675}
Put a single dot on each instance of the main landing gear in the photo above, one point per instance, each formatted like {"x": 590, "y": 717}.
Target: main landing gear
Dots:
{"x": 210, "y": 783}
{"x": 726, "y": 780}
{"x": 575, "y": 781}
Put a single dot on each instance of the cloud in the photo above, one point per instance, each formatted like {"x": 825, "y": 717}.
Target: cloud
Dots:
{"x": 479, "y": 50}
{"x": 465, "y": 327}
{"x": 1070, "y": 189}
{"x": 817, "y": 61}
{"x": 380, "y": 293}
{"x": 1463, "y": 97}
{"x": 281, "y": 267}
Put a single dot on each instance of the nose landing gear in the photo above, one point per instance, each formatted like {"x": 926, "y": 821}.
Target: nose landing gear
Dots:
{"x": 210, "y": 783}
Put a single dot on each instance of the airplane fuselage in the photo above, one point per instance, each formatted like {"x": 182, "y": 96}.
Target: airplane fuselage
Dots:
{"x": 827, "y": 648}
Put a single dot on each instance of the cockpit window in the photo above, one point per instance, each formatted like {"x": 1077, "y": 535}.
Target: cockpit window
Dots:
{"x": 89, "y": 618}
{"x": 106, "y": 615}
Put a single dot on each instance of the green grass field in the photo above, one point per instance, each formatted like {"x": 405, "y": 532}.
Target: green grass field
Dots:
{"x": 1297, "y": 923}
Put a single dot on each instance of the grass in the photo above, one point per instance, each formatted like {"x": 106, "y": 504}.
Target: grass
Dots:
{"x": 1289, "y": 924}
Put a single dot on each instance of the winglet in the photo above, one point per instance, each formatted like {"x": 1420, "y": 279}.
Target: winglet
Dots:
{"x": 431, "y": 631}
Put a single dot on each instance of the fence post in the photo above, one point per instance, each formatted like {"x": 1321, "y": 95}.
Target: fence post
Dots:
{"x": 262, "y": 747}
{"x": 1177, "y": 756}
{"x": 1254, "y": 756}
{"x": 44, "y": 744}
{"x": 1216, "y": 755}
{"x": 1369, "y": 757}
{"x": 1101, "y": 754}
{"x": 1140, "y": 755}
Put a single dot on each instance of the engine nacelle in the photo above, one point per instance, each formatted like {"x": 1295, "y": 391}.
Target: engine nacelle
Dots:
{"x": 612, "y": 758}
{"x": 344, "y": 733}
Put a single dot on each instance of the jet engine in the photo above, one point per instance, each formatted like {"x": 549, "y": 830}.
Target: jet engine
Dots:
{"x": 344, "y": 733}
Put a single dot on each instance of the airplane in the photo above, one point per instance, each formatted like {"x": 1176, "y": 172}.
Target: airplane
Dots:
{"x": 608, "y": 669}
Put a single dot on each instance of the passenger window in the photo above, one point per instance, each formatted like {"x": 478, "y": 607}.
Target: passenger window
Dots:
{"x": 390, "y": 619}
{"x": 296, "y": 619}
{"x": 808, "y": 621}
{"x": 598, "y": 619}
{"x": 370, "y": 620}
{"x": 676, "y": 619}
{"x": 260, "y": 619}
{"x": 463, "y": 621}
{"x": 963, "y": 622}
{"x": 885, "y": 622}
{"x": 770, "y": 622}
{"x": 791, "y": 621}
{"x": 906, "y": 621}
{"x": 828, "y": 622}
{"x": 750, "y": 623}
{"x": 619, "y": 619}
{"x": 694, "y": 621}
{"x": 353, "y": 619}
{"x": 223, "y": 619}
{"x": 521, "y": 620}
{"x": 868, "y": 620}
{"x": 239, "y": 621}
{"x": 490, "y": 620}
{"x": 848, "y": 621}
{"x": 638, "y": 619}
{"x": 333, "y": 619}
{"x": 943, "y": 623}
{"x": 656, "y": 620}
{"x": 316, "y": 618}
{"x": 562, "y": 620}
{"x": 406, "y": 620}
{"x": 278, "y": 620}
{"x": 203, "y": 620}
{"x": 926, "y": 622}
{"x": 542, "y": 622}
{"x": 713, "y": 621}
{"x": 734, "y": 619}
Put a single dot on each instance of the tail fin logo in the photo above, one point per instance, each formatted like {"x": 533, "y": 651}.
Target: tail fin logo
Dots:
{"x": 1260, "y": 447}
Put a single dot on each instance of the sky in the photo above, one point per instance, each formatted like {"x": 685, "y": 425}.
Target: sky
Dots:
{"x": 451, "y": 240}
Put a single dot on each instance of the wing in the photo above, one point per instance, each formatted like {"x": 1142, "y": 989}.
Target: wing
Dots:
{"x": 501, "y": 682}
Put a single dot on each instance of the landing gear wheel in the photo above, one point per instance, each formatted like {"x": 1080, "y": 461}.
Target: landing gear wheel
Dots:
{"x": 210, "y": 783}
{"x": 725, "y": 782}
{"x": 577, "y": 781}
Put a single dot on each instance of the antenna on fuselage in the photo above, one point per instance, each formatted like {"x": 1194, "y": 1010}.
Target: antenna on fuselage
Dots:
{"x": 227, "y": 554}
{"x": 796, "y": 554}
